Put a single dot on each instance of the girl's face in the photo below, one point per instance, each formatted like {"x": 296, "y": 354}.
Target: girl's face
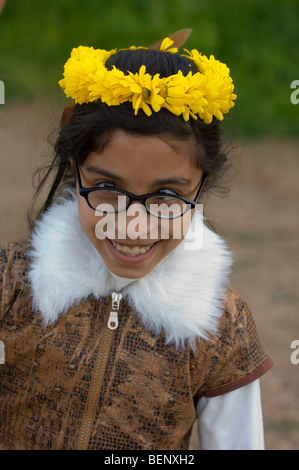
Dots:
{"x": 140, "y": 165}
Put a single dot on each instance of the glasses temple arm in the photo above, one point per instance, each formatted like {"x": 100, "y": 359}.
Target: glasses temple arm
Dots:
{"x": 201, "y": 187}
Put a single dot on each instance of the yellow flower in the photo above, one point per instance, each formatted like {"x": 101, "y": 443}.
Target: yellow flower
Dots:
{"x": 218, "y": 93}
{"x": 109, "y": 86}
{"x": 199, "y": 60}
{"x": 79, "y": 70}
{"x": 100, "y": 55}
{"x": 195, "y": 92}
{"x": 139, "y": 47}
{"x": 217, "y": 87}
{"x": 206, "y": 94}
{"x": 145, "y": 89}
{"x": 166, "y": 46}
{"x": 174, "y": 92}
{"x": 154, "y": 97}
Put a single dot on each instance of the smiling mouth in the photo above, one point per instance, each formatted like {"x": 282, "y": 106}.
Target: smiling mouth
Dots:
{"x": 132, "y": 250}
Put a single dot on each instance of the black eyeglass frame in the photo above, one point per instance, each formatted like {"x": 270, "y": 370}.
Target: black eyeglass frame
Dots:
{"x": 84, "y": 192}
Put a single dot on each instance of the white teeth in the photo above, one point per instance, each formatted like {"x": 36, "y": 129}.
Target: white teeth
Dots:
{"x": 132, "y": 251}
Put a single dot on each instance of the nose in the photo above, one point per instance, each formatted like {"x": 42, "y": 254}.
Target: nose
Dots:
{"x": 140, "y": 202}
{"x": 136, "y": 222}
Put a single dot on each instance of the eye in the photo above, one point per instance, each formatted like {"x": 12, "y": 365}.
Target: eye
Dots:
{"x": 106, "y": 185}
{"x": 167, "y": 192}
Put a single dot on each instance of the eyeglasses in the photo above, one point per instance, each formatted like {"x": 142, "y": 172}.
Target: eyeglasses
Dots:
{"x": 161, "y": 205}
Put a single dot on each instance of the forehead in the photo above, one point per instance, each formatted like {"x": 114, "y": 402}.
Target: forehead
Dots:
{"x": 136, "y": 153}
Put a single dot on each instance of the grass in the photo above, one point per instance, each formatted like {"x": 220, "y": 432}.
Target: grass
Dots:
{"x": 256, "y": 38}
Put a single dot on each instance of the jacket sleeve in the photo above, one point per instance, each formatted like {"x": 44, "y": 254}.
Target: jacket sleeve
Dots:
{"x": 13, "y": 274}
{"x": 232, "y": 421}
{"x": 3, "y": 264}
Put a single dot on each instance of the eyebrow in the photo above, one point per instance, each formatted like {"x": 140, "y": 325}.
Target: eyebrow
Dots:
{"x": 171, "y": 180}
{"x": 99, "y": 171}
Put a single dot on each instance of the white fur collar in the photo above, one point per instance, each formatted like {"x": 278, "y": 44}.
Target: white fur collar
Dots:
{"x": 183, "y": 295}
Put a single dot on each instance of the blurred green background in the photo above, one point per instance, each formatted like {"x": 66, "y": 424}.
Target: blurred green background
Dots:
{"x": 258, "y": 39}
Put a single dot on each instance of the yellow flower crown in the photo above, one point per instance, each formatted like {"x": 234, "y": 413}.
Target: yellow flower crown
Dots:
{"x": 207, "y": 93}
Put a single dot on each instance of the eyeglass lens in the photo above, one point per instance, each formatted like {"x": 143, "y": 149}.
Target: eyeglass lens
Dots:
{"x": 160, "y": 206}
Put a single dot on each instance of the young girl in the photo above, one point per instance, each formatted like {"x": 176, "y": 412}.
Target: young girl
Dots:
{"x": 119, "y": 325}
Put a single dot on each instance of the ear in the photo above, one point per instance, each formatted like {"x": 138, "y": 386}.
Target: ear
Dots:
{"x": 67, "y": 114}
{"x": 179, "y": 38}
{"x": 71, "y": 162}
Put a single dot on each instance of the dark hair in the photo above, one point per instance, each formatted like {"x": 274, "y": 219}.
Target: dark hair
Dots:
{"x": 92, "y": 125}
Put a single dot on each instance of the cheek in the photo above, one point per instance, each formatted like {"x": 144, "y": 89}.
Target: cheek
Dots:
{"x": 96, "y": 227}
{"x": 179, "y": 227}
{"x": 87, "y": 218}
{"x": 174, "y": 232}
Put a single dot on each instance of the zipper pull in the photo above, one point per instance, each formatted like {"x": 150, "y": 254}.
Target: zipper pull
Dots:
{"x": 113, "y": 318}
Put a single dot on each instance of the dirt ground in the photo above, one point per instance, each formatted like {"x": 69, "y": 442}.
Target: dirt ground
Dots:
{"x": 258, "y": 218}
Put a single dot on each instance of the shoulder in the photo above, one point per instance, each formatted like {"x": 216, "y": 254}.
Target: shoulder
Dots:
{"x": 236, "y": 310}
{"x": 235, "y": 355}
{"x": 237, "y": 325}
{"x": 234, "y": 302}
{"x": 237, "y": 328}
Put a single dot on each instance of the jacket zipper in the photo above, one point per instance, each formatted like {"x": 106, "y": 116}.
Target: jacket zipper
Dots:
{"x": 113, "y": 318}
{"x": 98, "y": 372}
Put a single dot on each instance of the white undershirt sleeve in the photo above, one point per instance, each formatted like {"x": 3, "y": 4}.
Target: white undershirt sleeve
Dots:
{"x": 232, "y": 421}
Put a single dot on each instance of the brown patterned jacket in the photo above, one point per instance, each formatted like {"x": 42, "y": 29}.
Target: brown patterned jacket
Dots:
{"x": 77, "y": 381}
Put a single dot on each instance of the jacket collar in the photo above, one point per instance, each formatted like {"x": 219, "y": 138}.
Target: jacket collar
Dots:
{"x": 183, "y": 295}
